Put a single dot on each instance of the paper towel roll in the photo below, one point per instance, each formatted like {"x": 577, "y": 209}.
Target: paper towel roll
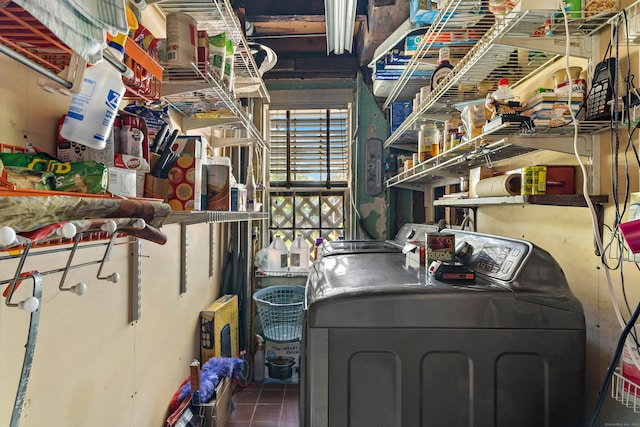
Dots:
{"x": 503, "y": 185}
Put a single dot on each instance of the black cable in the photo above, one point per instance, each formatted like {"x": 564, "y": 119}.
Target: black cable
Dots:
{"x": 614, "y": 363}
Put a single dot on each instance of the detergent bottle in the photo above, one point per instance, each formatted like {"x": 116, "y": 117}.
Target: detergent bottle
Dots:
{"x": 258, "y": 361}
{"x": 299, "y": 255}
{"x": 93, "y": 110}
{"x": 277, "y": 256}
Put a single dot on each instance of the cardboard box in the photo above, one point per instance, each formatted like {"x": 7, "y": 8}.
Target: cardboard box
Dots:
{"x": 186, "y": 175}
{"x": 561, "y": 180}
{"x": 218, "y": 411}
{"x": 239, "y": 198}
{"x": 219, "y": 329}
{"x": 420, "y": 12}
{"x": 122, "y": 182}
{"x": 68, "y": 151}
{"x": 282, "y": 362}
{"x": 218, "y": 184}
{"x": 400, "y": 110}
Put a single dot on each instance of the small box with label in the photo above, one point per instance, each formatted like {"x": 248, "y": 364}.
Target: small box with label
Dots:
{"x": 219, "y": 329}
{"x": 282, "y": 362}
{"x": 187, "y": 175}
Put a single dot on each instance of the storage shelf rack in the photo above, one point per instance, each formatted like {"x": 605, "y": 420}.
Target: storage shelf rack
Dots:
{"x": 185, "y": 218}
{"x": 503, "y": 142}
{"x": 216, "y": 16}
{"x": 495, "y": 55}
{"x": 26, "y": 40}
{"x": 625, "y": 391}
{"x": 201, "y": 97}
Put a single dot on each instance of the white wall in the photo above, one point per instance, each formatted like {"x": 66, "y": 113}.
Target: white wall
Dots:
{"x": 566, "y": 233}
{"x": 92, "y": 367}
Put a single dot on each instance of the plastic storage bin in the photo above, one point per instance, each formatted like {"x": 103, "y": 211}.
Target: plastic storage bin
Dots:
{"x": 280, "y": 309}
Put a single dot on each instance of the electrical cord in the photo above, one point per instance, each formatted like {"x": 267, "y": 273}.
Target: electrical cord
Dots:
{"x": 594, "y": 220}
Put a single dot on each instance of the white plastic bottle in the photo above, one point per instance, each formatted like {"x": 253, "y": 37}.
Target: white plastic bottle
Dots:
{"x": 93, "y": 110}
{"x": 504, "y": 92}
{"x": 277, "y": 256}
{"x": 251, "y": 190}
{"x": 299, "y": 255}
{"x": 258, "y": 361}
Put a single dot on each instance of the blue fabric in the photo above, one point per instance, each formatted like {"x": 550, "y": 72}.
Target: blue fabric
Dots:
{"x": 210, "y": 374}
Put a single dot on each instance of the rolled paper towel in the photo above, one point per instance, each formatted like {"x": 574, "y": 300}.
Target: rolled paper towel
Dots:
{"x": 496, "y": 186}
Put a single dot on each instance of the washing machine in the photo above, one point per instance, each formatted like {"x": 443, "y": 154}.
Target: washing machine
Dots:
{"x": 385, "y": 344}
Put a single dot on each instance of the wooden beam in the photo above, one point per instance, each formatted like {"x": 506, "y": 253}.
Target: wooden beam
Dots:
{"x": 295, "y": 44}
{"x": 290, "y": 24}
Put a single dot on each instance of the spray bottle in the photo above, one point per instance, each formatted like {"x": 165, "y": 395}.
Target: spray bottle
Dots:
{"x": 258, "y": 361}
{"x": 93, "y": 110}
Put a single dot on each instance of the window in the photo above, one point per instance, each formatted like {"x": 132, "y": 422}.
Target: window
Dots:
{"x": 309, "y": 173}
{"x": 309, "y": 148}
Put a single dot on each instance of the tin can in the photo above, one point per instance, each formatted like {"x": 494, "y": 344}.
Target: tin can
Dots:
{"x": 441, "y": 247}
{"x": 182, "y": 39}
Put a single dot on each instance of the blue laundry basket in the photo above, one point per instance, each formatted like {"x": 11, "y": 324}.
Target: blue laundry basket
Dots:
{"x": 280, "y": 309}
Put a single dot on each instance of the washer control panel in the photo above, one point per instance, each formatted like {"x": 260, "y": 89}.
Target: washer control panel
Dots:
{"x": 496, "y": 258}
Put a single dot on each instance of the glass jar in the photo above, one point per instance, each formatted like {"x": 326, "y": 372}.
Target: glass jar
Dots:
{"x": 428, "y": 137}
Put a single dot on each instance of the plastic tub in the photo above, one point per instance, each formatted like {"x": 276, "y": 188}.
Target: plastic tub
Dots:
{"x": 280, "y": 309}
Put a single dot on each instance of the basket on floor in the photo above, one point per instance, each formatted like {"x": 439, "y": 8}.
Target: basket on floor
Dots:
{"x": 280, "y": 312}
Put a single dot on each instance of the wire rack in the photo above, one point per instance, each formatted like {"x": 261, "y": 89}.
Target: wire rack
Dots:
{"x": 493, "y": 146}
{"x": 30, "y": 40}
{"x": 216, "y": 16}
{"x": 625, "y": 391}
{"x": 491, "y": 58}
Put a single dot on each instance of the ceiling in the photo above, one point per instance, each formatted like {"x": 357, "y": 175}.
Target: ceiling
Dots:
{"x": 295, "y": 30}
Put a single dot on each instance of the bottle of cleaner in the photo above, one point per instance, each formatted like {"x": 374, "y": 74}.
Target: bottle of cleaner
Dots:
{"x": 504, "y": 92}
{"x": 251, "y": 190}
{"x": 299, "y": 255}
{"x": 319, "y": 242}
{"x": 443, "y": 68}
{"x": 93, "y": 110}
{"x": 258, "y": 361}
{"x": 277, "y": 256}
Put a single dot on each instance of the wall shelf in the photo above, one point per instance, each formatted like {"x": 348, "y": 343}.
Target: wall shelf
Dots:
{"x": 29, "y": 42}
{"x": 216, "y": 16}
{"x": 185, "y": 218}
{"x": 494, "y": 56}
{"x": 198, "y": 217}
{"x": 625, "y": 391}
{"x": 569, "y": 200}
{"x": 202, "y": 98}
{"x": 576, "y": 200}
{"x": 503, "y": 142}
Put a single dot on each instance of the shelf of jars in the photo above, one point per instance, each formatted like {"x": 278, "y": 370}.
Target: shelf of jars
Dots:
{"x": 506, "y": 49}
{"x": 217, "y": 16}
{"x": 505, "y": 141}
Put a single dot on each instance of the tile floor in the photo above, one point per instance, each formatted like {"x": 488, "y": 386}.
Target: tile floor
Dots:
{"x": 265, "y": 405}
